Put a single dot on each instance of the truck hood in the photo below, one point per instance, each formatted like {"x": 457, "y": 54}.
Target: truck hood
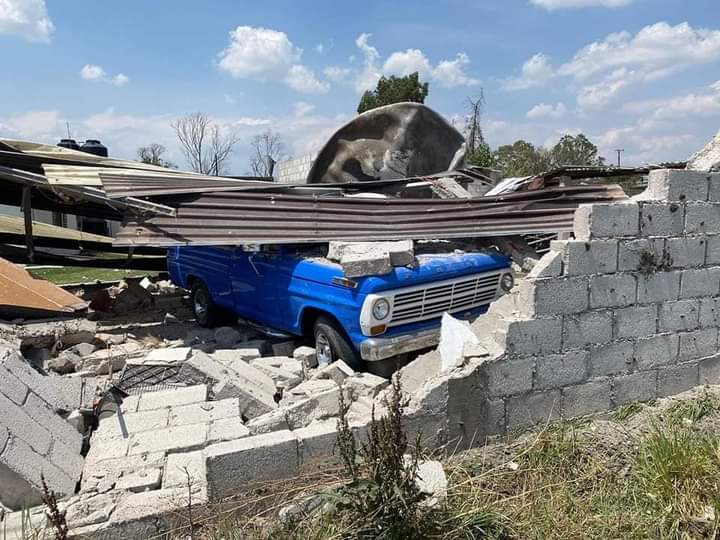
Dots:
{"x": 430, "y": 268}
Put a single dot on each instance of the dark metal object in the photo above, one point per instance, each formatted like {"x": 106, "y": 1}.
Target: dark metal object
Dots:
{"x": 250, "y": 217}
{"x": 137, "y": 379}
{"x": 27, "y": 217}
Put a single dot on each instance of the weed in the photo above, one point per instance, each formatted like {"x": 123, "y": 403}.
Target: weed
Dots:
{"x": 627, "y": 410}
{"x": 692, "y": 410}
{"x": 650, "y": 262}
{"x": 55, "y": 517}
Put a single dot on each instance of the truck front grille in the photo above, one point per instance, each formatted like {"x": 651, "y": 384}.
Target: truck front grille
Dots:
{"x": 422, "y": 303}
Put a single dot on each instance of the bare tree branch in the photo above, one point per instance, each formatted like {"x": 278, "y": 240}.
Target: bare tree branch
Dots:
{"x": 205, "y": 145}
{"x": 265, "y": 145}
{"x": 152, "y": 154}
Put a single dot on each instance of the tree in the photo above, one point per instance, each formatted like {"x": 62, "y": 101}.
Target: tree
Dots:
{"x": 394, "y": 90}
{"x": 152, "y": 155}
{"x": 478, "y": 150}
{"x": 522, "y": 159}
{"x": 266, "y": 146}
{"x": 206, "y": 146}
{"x": 577, "y": 150}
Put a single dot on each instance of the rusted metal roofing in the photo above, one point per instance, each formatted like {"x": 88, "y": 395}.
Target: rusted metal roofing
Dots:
{"x": 22, "y": 295}
{"x": 252, "y": 217}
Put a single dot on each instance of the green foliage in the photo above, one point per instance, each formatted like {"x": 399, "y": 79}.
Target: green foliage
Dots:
{"x": 692, "y": 410}
{"x": 623, "y": 412}
{"x": 577, "y": 150}
{"x": 482, "y": 156}
{"x": 394, "y": 89}
{"x": 522, "y": 159}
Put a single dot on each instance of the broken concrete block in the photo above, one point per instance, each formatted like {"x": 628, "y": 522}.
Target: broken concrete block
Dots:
{"x": 175, "y": 439}
{"x": 204, "y": 412}
{"x": 338, "y": 371}
{"x": 454, "y": 334}
{"x": 227, "y": 429}
{"x": 432, "y": 481}
{"x": 167, "y": 355}
{"x": 183, "y": 469}
{"x": 66, "y": 362}
{"x": 308, "y": 389}
{"x": 708, "y": 158}
{"x": 366, "y": 264}
{"x": 227, "y": 356}
{"x": 174, "y": 397}
{"x": 317, "y": 441}
{"x": 110, "y": 470}
{"x": 236, "y": 465}
{"x": 399, "y": 253}
{"x": 283, "y": 378}
{"x": 365, "y": 384}
{"x": 307, "y": 356}
{"x": 420, "y": 370}
{"x": 82, "y": 349}
{"x": 112, "y": 359}
{"x": 275, "y": 420}
{"x": 448, "y": 188}
{"x": 140, "y": 481}
{"x": 227, "y": 337}
{"x": 48, "y": 333}
{"x": 254, "y": 388}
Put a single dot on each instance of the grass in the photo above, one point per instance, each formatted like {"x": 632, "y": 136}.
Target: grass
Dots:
{"x": 652, "y": 472}
{"x": 81, "y": 274}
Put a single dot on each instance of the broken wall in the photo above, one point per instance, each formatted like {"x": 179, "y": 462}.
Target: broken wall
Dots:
{"x": 628, "y": 311}
{"x": 34, "y": 440}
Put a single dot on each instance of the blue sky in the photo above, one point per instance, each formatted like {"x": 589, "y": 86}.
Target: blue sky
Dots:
{"x": 642, "y": 75}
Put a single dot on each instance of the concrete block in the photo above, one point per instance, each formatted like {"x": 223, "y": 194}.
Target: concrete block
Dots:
{"x": 106, "y": 449}
{"x": 686, "y": 252}
{"x": 611, "y": 358}
{"x": 615, "y": 290}
{"x": 41, "y": 385}
{"x": 680, "y": 315}
{"x": 532, "y": 408}
{"x": 549, "y": 265}
{"x": 636, "y": 321}
{"x": 317, "y": 442}
{"x": 658, "y": 287}
{"x": 58, "y": 428}
{"x": 365, "y": 384}
{"x": 712, "y": 255}
{"x": 556, "y": 370}
{"x": 677, "y": 185}
{"x": 108, "y": 471}
{"x": 22, "y": 426}
{"x": 338, "y": 371}
{"x": 709, "y": 312}
{"x": 183, "y": 468}
{"x": 12, "y": 388}
{"x": 306, "y": 356}
{"x": 172, "y": 439}
{"x": 507, "y": 376}
{"x": 640, "y": 386}
{"x": 236, "y": 465}
{"x": 227, "y": 356}
{"x": 584, "y": 328}
{"x": 676, "y": 379}
{"x": 273, "y": 421}
{"x": 700, "y": 282}
{"x": 629, "y": 252}
{"x": 366, "y": 264}
{"x": 169, "y": 398}
{"x": 587, "y": 398}
{"x": 606, "y": 220}
{"x": 140, "y": 481}
{"x": 710, "y": 370}
{"x": 281, "y": 377}
{"x": 167, "y": 355}
{"x": 207, "y": 411}
{"x": 698, "y": 344}
{"x": 121, "y": 425}
{"x": 227, "y": 429}
{"x": 661, "y": 219}
{"x": 252, "y": 387}
{"x": 590, "y": 257}
{"x": 560, "y": 296}
{"x": 656, "y": 351}
{"x": 534, "y": 336}
{"x": 702, "y": 218}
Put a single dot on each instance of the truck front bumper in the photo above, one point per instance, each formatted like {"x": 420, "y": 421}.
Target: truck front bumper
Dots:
{"x": 379, "y": 348}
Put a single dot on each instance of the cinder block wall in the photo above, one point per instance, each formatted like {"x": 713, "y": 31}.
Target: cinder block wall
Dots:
{"x": 627, "y": 311}
{"x": 34, "y": 440}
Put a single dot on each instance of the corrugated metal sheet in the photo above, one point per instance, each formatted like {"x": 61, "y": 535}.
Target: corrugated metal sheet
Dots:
{"x": 251, "y": 217}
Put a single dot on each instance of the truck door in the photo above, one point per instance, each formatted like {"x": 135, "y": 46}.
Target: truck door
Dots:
{"x": 253, "y": 288}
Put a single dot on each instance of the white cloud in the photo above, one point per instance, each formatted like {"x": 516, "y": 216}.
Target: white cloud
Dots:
{"x": 302, "y": 79}
{"x": 598, "y": 95}
{"x": 92, "y": 72}
{"x": 451, "y": 73}
{"x": 337, "y": 74}
{"x": 544, "y": 110}
{"x": 370, "y": 73}
{"x": 552, "y": 5}
{"x": 536, "y": 71}
{"x": 258, "y": 53}
{"x": 407, "y": 62}
{"x": 27, "y": 19}
{"x": 704, "y": 104}
{"x": 301, "y": 108}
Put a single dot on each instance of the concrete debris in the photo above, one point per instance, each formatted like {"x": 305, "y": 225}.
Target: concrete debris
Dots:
{"x": 338, "y": 371}
{"x": 169, "y": 355}
{"x": 227, "y": 337}
{"x": 364, "y": 384}
{"x": 34, "y": 438}
{"x": 707, "y": 159}
{"x": 48, "y": 333}
{"x": 448, "y": 188}
{"x": 455, "y": 335}
{"x": 284, "y": 348}
{"x": 360, "y": 259}
{"x": 432, "y": 481}
{"x": 227, "y": 356}
{"x": 518, "y": 249}
{"x": 112, "y": 359}
{"x": 307, "y": 356}
{"x": 129, "y": 297}
{"x": 308, "y": 389}
{"x": 65, "y": 362}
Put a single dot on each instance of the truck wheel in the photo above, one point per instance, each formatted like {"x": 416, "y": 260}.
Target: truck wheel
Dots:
{"x": 331, "y": 344}
{"x": 207, "y": 312}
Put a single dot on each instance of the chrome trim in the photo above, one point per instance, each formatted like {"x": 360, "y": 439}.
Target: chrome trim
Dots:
{"x": 374, "y": 349}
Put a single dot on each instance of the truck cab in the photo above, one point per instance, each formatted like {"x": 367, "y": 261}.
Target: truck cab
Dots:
{"x": 365, "y": 321}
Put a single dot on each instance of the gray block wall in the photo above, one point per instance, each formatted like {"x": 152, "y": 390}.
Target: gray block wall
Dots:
{"x": 34, "y": 439}
{"x": 629, "y": 310}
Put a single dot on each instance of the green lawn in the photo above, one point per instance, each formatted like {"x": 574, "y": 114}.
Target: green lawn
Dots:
{"x": 81, "y": 274}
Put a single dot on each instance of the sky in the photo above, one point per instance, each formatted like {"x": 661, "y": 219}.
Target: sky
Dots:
{"x": 637, "y": 75}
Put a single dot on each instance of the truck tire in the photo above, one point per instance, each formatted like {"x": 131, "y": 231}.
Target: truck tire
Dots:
{"x": 207, "y": 312}
{"x": 331, "y": 344}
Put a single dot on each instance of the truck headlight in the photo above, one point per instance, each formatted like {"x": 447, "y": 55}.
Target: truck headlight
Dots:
{"x": 381, "y": 309}
{"x": 506, "y": 282}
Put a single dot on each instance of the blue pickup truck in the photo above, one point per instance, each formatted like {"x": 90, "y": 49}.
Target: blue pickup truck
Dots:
{"x": 365, "y": 321}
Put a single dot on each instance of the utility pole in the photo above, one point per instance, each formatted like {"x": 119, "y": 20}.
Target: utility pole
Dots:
{"x": 619, "y": 151}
